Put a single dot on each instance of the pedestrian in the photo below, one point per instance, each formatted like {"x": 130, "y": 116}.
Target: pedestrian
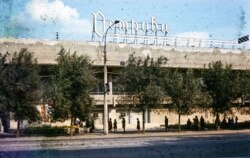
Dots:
{"x": 189, "y": 124}
{"x": 91, "y": 125}
{"x": 138, "y": 127}
{"x": 224, "y": 122}
{"x": 202, "y": 123}
{"x": 166, "y": 123}
{"x": 196, "y": 123}
{"x": 232, "y": 123}
{"x": 110, "y": 125}
{"x": 229, "y": 121}
{"x": 115, "y": 125}
{"x": 217, "y": 122}
{"x": 236, "y": 122}
{"x": 77, "y": 122}
{"x": 123, "y": 124}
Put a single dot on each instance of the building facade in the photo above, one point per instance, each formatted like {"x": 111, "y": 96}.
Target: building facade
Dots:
{"x": 195, "y": 57}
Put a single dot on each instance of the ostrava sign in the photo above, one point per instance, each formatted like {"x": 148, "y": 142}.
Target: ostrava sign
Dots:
{"x": 132, "y": 27}
{"x": 153, "y": 33}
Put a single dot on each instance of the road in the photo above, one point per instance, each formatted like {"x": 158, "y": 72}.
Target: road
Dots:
{"x": 234, "y": 145}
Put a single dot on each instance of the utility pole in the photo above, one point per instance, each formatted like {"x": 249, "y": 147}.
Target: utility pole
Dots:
{"x": 106, "y": 84}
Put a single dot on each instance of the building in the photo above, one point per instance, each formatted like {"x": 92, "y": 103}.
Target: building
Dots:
{"x": 188, "y": 56}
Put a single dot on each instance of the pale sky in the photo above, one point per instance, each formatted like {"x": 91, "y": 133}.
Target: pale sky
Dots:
{"x": 206, "y": 19}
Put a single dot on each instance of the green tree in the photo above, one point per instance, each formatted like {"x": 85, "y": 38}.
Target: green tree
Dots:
{"x": 185, "y": 91}
{"x": 4, "y": 114}
{"x": 141, "y": 77}
{"x": 73, "y": 81}
{"x": 244, "y": 85}
{"x": 221, "y": 84}
{"x": 21, "y": 87}
{"x": 243, "y": 90}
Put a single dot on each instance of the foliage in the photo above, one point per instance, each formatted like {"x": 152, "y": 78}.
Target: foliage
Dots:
{"x": 185, "y": 91}
{"x": 243, "y": 90}
{"x": 221, "y": 83}
{"x": 46, "y": 130}
{"x": 4, "y": 116}
{"x": 73, "y": 81}
{"x": 141, "y": 78}
{"x": 20, "y": 87}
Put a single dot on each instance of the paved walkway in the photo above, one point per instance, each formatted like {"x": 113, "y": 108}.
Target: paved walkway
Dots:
{"x": 134, "y": 135}
{"x": 189, "y": 144}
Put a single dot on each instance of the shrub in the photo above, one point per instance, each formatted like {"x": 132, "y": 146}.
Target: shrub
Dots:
{"x": 46, "y": 130}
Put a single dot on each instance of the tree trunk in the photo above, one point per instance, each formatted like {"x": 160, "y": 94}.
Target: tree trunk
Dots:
{"x": 71, "y": 125}
{"x": 179, "y": 123}
{"x": 18, "y": 128}
{"x": 217, "y": 121}
{"x": 5, "y": 121}
{"x": 74, "y": 121}
{"x": 143, "y": 121}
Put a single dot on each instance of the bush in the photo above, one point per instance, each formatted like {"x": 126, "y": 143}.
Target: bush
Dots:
{"x": 239, "y": 125}
{"x": 211, "y": 126}
{"x": 243, "y": 125}
{"x": 45, "y": 130}
{"x": 208, "y": 126}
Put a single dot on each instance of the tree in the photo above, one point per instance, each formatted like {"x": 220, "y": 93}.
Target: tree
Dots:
{"x": 21, "y": 87}
{"x": 243, "y": 90}
{"x": 141, "y": 77}
{"x": 73, "y": 81}
{"x": 185, "y": 91}
{"x": 4, "y": 115}
{"x": 221, "y": 84}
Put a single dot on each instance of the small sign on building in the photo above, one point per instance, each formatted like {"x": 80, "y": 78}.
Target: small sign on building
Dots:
{"x": 243, "y": 39}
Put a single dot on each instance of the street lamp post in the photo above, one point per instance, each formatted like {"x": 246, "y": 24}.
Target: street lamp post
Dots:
{"x": 105, "y": 128}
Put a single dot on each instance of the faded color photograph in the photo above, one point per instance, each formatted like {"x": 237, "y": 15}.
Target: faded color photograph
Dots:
{"x": 124, "y": 79}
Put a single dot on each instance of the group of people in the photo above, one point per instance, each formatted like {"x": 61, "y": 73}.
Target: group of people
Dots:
{"x": 231, "y": 123}
{"x": 196, "y": 123}
{"x": 114, "y": 125}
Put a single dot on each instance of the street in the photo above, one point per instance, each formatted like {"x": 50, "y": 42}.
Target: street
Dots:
{"x": 233, "y": 145}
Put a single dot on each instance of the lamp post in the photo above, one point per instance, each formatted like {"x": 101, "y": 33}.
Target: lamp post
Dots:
{"x": 105, "y": 128}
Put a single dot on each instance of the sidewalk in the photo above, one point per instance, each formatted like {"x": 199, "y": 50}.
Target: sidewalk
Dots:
{"x": 134, "y": 135}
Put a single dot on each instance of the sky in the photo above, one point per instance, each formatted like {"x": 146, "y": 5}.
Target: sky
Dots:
{"x": 72, "y": 19}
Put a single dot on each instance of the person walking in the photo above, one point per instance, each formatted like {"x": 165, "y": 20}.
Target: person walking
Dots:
{"x": 166, "y": 123}
{"x": 232, "y": 123}
{"x": 110, "y": 125}
{"x": 236, "y": 122}
{"x": 202, "y": 123}
{"x": 196, "y": 123}
{"x": 138, "y": 127}
{"x": 115, "y": 125}
{"x": 189, "y": 123}
{"x": 123, "y": 124}
{"x": 224, "y": 123}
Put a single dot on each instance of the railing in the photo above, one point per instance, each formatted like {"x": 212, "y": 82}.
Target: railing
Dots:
{"x": 114, "y": 93}
{"x": 176, "y": 41}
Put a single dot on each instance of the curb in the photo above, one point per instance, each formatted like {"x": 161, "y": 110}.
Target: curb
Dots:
{"x": 132, "y": 135}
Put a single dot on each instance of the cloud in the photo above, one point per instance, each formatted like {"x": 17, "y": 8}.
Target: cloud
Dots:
{"x": 44, "y": 11}
{"x": 192, "y": 38}
{"x": 198, "y": 35}
{"x": 244, "y": 19}
{"x": 58, "y": 13}
{"x": 43, "y": 18}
